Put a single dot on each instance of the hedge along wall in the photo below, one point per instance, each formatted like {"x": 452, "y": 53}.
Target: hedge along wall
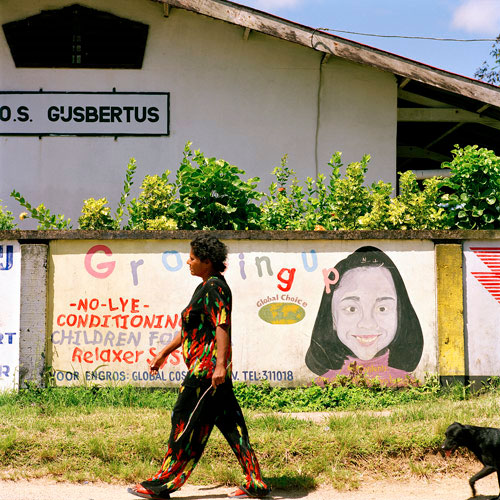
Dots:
{"x": 306, "y": 304}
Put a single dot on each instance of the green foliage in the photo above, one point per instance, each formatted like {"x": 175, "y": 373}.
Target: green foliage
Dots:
{"x": 95, "y": 215}
{"x": 154, "y": 208}
{"x": 127, "y": 184}
{"x": 282, "y": 210}
{"x": 487, "y": 73}
{"x": 350, "y": 199}
{"x": 336, "y": 205}
{"x": 473, "y": 200}
{"x": 213, "y": 196}
{"x": 6, "y": 219}
{"x": 413, "y": 208}
{"x": 45, "y": 219}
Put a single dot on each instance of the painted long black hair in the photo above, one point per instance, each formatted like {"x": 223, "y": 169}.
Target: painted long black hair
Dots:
{"x": 326, "y": 351}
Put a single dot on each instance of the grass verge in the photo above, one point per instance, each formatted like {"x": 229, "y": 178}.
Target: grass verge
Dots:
{"x": 119, "y": 434}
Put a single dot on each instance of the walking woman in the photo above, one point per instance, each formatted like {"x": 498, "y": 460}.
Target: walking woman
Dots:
{"x": 206, "y": 396}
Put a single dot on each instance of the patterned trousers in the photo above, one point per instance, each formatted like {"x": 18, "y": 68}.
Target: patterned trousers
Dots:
{"x": 186, "y": 444}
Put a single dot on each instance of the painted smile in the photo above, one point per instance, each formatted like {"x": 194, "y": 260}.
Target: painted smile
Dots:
{"x": 367, "y": 339}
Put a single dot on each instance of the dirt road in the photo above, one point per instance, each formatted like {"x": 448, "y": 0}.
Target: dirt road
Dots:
{"x": 447, "y": 488}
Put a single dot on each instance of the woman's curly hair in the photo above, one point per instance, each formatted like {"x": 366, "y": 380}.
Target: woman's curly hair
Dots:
{"x": 206, "y": 246}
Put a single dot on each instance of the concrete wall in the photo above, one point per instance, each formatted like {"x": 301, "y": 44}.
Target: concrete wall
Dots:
{"x": 247, "y": 101}
{"x": 93, "y": 307}
{"x": 113, "y": 304}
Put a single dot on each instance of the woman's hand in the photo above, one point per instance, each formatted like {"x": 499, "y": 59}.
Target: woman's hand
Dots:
{"x": 219, "y": 376}
{"x": 157, "y": 363}
{"x": 161, "y": 357}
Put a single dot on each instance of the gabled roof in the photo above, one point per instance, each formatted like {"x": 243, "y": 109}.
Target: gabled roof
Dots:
{"x": 256, "y": 20}
{"x": 436, "y": 109}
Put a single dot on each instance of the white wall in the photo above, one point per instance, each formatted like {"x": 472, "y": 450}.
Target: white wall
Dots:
{"x": 248, "y": 102}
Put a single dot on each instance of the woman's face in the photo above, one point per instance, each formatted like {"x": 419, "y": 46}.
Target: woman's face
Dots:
{"x": 364, "y": 310}
{"x": 201, "y": 268}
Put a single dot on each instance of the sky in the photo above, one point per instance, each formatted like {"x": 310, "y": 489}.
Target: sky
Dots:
{"x": 462, "y": 19}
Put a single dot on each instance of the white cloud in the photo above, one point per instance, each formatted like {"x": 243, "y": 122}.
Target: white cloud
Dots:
{"x": 478, "y": 16}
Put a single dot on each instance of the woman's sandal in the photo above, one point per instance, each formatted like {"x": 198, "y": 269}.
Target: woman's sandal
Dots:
{"x": 242, "y": 492}
{"x": 139, "y": 491}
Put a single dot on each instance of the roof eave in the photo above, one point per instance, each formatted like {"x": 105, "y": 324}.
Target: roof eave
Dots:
{"x": 268, "y": 24}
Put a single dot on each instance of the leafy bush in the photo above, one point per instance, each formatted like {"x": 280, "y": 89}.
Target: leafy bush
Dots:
{"x": 213, "y": 196}
{"x": 6, "y": 219}
{"x": 473, "y": 200}
{"x": 45, "y": 219}
{"x": 413, "y": 208}
{"x": 154, "y": 208}
{"x": 337, "y": 205}
{"x": 95, "y": 215}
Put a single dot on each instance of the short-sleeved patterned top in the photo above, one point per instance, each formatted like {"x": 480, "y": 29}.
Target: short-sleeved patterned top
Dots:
{"x": 210, "y": 306}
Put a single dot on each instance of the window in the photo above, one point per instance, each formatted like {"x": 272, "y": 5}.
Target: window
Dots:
{"x": 76, "y": 37}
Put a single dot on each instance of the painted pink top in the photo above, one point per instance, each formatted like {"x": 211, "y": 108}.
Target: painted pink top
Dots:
{"x": 375, "y": 367}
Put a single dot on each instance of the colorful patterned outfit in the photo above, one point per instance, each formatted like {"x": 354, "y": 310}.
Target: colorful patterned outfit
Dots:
{"x": 199, "y": 407}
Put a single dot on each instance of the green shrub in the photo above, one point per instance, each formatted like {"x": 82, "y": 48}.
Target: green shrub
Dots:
{"x": 413, "y": 208}
{"x": 154, "y": 208}
{"x": 95, "y": 215}
{"x": 213, "y": 196}
{"x": 6, "y": 219}
{"x": 337, "y": 205}
{"x": 45, "y": 219}
{"x": 473, "y": 199}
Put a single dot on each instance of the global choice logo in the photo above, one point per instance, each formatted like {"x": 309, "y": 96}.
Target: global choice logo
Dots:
{"x": 282, "y": 309}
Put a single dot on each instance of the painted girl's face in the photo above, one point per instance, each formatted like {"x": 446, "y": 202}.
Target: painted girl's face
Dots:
{"x": 364, "y": 310}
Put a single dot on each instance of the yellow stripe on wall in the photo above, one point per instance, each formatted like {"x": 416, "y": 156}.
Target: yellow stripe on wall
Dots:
{"x": 450, "y": 308}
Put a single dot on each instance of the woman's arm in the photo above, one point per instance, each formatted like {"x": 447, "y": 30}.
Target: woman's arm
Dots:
{"x": 160, "y": 358}
{"x": 222, "y": 342}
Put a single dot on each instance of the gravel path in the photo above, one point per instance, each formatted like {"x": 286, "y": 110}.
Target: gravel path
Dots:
{"x": 447, "y": 488}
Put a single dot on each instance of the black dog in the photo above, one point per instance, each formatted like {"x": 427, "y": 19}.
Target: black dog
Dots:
{"x": 484, "y": 442}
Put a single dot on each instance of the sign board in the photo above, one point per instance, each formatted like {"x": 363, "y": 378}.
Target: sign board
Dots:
{"x": 482, "y": 303}
{"x": 124, "y": 300}
{"x": 10, "y": 304}
{"x": 84, "y": 113}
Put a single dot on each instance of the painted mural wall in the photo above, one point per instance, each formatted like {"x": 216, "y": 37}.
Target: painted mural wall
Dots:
{"x": 302, "y": 310}
{"x": 482, "y": 298}
{"x": 10, "y": 304}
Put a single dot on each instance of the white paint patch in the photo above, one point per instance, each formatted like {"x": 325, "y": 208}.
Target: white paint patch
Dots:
{"x": 10, "y": 304}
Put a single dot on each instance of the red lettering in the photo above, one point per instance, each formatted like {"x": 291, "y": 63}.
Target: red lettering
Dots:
{"x": 61, "y": 320}
{"x": 134, "y": 306}
{"x": 287, "y": 282}
{"x": 87, "y": 357}
{"x": 111, "y": 308}
{"x": 148, "y": 321}
{"x": 82, "y": 321}
{"x": 83, "y": 304}
{"x": 105, "y": 356}
{"x": 137, "y": 355}
{"x": 169, "y": 321}
{"x": 128, "y": 357}
{"x": 77, "y": 355}
{"x": 94, "y": 321}
{"x": 176, "y": 356}
{"x": 117, "y": 356}
{"x": 123, "y": 302}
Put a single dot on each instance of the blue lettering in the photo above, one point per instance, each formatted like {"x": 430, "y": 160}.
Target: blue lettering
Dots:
{"x": 168, "y": 267}
{"x": 314, "y": 265}
{"x": 9, "y": 257}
